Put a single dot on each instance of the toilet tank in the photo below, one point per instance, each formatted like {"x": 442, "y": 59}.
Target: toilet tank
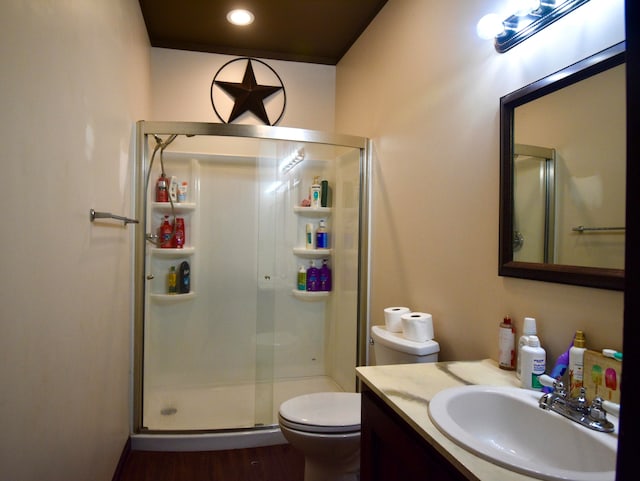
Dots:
{"x": 394, "y": 348}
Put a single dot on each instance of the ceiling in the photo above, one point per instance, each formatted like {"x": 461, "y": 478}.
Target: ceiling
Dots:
{"x": 313, "y": 31}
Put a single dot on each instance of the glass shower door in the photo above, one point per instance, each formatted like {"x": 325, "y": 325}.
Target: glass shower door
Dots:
{"x": 224, "y": 356}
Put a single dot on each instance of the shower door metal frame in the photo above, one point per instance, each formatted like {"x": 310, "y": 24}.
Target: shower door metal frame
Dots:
{"x": 145, "y": 128}
{"x": 548, "y": 156}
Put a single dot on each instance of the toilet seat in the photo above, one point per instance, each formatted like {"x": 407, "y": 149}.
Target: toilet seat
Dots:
{"x": 323, "y": 412}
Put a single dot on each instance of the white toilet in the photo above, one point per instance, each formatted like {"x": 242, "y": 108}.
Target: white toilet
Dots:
{"x": 325, "y": 426}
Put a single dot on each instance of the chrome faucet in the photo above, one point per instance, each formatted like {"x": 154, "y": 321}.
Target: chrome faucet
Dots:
{"x": 577, "y": 409}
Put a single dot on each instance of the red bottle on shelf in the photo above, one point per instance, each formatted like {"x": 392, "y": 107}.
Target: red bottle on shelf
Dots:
{"x": 162, "y": 189}
{"x": 179, "y": 238}
{"x": 166, "y": 233}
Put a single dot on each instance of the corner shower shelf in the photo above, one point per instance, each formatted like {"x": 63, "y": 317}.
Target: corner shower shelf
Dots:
{"x": 171, "y": 298}
{"x": 312, "y": 253}
{"x": 173, "y": 253}
{"x": 178, "y": 206}
{"x": 312, "y": 211}
{"x": 310, "y": 295}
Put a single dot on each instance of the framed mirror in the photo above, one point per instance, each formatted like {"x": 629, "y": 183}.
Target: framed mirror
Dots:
{"x": 563, "y": 175}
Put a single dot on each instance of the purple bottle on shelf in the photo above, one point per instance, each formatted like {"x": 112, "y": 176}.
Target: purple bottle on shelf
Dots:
{"x": 325, "y": 276}
{"x": 313, "y": 277}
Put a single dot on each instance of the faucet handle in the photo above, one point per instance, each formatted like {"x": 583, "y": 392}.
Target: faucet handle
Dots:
{"x": 598, "y": 416}
{"x": 611, "y": 407}
{"x": 556, "y": 384}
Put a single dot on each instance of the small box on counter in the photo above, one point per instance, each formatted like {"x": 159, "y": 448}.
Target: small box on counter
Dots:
{"x": 602, "y": 376}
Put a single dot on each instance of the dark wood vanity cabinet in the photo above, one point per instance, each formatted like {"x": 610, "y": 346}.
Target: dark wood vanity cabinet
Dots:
{"x": 392, "y": 450}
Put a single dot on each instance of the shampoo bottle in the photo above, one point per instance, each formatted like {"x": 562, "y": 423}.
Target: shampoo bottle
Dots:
{"x": 184, "y": 278}
{"x": 312, "y": 277}
{"x": 172, "y": 280}
{"x": 322, "y": 236}
{"x": 325, "y": 276}
{"x": 302, "y": 278}
{"x": 506, "y": 345}
{"x": 534, "y": 363}
{"x": 316, "y": 192}
{"x": 528, "y": 329}
{"x": 576, "y": 363}
{"x": 308, "y": 239}
{"x": 166, "y": 233}
{"x": 162, "y": 189}
{"x": 324, "y": 193}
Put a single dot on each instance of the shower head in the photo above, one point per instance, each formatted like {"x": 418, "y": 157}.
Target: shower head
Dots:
{"x": 170, "y": 139}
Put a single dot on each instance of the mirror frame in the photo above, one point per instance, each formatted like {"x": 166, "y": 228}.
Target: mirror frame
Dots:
{"x": 602, "y": 278}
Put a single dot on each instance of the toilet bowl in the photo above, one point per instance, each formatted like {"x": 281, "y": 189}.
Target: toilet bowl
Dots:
{"x": 325, "y": 426}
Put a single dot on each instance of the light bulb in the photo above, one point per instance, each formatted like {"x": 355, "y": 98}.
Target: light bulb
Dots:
{"x": 489, "y": 26}
{"x": 240, "y": 17}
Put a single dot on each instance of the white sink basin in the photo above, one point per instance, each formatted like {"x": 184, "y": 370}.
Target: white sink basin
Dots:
{"x": 506, "y": 426}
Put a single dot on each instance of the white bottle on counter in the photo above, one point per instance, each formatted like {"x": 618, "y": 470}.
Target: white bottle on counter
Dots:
{"x": 528, "y": 329}
{"x": 534, "y": 364}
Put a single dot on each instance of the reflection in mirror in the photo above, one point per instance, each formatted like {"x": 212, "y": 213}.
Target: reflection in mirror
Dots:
{"x": 563, "y": 169}
{"x": 533, "y": 203}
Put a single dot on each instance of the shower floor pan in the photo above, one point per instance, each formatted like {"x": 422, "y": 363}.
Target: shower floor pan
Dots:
{"x": 225, "y": 407}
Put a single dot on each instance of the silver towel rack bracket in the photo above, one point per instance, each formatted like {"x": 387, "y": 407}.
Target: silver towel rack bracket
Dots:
{"x": 93, "y": 215}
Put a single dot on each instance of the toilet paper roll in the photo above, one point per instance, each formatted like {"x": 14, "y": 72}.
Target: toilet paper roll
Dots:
{"x": 392, "y": 318}
{"x": 417, "y": 326}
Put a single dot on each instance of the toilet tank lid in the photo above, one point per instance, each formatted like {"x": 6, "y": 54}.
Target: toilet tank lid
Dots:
{"x": 395, "y": 340}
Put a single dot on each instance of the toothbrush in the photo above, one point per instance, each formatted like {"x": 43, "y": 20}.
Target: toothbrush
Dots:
{"x": 612, "y": 353}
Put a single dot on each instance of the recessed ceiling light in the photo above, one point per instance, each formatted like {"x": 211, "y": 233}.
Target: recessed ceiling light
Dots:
{"x": 240, "y": 17}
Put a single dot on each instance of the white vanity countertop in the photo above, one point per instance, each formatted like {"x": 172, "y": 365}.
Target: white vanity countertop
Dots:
{"x": 408, "y": 388}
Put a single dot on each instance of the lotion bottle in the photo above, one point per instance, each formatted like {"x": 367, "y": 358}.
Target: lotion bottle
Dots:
{"x": 528, "y": 329}
{"x": 576, "y": 363}
{"x": 534, "y": 364}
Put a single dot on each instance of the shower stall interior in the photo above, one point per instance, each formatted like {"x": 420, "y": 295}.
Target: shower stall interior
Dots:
{"x": 223, "y": 356}
{"x": 534, "y": 208}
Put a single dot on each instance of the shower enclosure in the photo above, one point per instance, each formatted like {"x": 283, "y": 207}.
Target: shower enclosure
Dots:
{"x": 223, "y": 356}
{"x": 534, "y": 181}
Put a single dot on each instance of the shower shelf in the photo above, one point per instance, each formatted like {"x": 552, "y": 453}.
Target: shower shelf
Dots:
{"x": 313, "y": 253}
{"x": 178, "y": 206}
{"x": 173, "y": 252}
{"x": 310, "y": 295}
{"x": 312, "y": 211}
{"x": 171, "y": 298}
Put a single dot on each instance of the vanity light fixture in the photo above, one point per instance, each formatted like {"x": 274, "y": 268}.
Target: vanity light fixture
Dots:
{"x": 240, "y": 17}
{"x": 527, "y": 18}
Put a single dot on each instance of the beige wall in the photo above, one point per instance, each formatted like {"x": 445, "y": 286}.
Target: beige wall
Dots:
{"x": 75, "y": 77}
{"x": 181, "y": 89}
{"x": 426, "y": 89}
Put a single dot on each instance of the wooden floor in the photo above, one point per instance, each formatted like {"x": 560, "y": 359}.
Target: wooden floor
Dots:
{"x": 270, "y": 463}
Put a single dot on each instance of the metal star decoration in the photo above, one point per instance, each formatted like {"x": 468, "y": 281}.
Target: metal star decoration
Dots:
{"x": 248, "y": 95}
